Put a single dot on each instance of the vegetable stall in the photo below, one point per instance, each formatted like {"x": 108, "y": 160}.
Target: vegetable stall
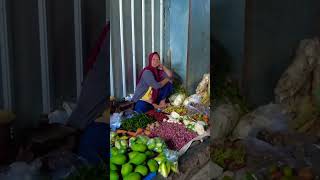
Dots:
{"x": 145, "y": 146}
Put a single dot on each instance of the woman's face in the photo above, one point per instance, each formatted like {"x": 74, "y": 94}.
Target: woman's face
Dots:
{"x": 155, "y": 61}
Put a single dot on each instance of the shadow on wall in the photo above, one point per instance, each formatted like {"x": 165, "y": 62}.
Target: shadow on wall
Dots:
{"x": 220, "y": 64}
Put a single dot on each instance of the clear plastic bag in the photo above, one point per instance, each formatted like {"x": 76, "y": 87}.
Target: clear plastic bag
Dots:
{"x": 115, "y": 121}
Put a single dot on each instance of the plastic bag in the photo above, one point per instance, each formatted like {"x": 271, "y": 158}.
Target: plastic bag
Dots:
{"x": 115, "y": 121}
{"x": 58, "y": 116}
{"x": 195, "y": 98}
{"x": 171, "y": 155}
{"x": 203, "y": 85}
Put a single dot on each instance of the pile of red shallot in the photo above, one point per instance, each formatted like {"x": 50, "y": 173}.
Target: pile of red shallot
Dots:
{"x": 175, "y": 135}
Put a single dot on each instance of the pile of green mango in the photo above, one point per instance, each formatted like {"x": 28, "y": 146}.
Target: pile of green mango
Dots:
{"x": 138, "y": 158}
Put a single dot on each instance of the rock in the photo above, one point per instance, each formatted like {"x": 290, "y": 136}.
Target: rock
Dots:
{"x": 227, "y": 174}
{"x": 209, "y": 171}
{"x": 215, "y": 170}
{"x": 225, "y": 118}
{"x": 270, "y": 117}
{"x": 302, "y": 78}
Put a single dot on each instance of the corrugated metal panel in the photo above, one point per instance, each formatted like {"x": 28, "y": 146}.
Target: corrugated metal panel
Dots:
{"x": 23, "y": 22}
{"x": 127, "y": 27}
{"x": 198, "y": 43}
{"x": 179, "y": 22}
{"x": 62, "y": 49}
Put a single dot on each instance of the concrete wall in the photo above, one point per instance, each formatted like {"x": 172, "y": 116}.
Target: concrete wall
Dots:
{"x": 274, "y": 31}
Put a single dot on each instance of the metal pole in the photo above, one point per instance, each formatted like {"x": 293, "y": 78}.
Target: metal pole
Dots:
{"x": 143, "y": 34}
{"x": 133, "y": 45}
{"x": 124, "y": 89}
{"x": 45, "y": 73}
{"x": 5, "y": 59}
{"x": 78, "y": 43}
{"x": 161, "y": 30}
{"x": 152, "y": 24}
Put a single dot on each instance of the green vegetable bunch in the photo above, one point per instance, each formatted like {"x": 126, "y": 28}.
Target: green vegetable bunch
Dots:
{"x": 222, "y": 154}
{"x": 138, "y": 121}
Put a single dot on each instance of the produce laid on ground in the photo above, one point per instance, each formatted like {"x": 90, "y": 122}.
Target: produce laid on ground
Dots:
{"x": 135, "y": 158}
{"x": 229, "y": 155}
{"x": 284, "y": 172}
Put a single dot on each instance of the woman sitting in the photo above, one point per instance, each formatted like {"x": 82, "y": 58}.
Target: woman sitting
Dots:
{"x": 154, "y": 85}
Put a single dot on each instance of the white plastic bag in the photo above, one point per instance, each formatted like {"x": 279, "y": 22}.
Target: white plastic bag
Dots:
{"x": 195, "y": 98}
{"x": 115, "y": 121}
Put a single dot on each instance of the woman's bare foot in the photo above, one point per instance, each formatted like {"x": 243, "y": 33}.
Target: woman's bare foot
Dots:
{"x": 163, "y": 103}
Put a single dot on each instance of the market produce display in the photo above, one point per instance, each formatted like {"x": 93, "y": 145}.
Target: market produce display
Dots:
{"x": 143, "y": 144}
{"x": 137, "y": 121}
{"x": 135, "y": 158}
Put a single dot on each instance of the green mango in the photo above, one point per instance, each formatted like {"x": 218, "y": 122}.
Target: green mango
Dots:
{"x": 139, "y": 147}
{"x": 119, "y": 159}
{"x": 138, "y": 159}
{"x": 142, "y": 170}
{"x": 113, "y": 167}
{"x": 126, "y": 169}
{"x": 133, "y": 154}
{"x": 133, "y": 176}
{"x": 114, "y": 175}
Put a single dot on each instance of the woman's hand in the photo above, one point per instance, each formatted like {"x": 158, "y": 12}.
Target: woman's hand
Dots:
{"x": 160, "y": 66}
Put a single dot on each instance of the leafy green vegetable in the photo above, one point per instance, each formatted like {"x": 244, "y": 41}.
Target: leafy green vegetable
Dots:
{"x": 138, "y": 121}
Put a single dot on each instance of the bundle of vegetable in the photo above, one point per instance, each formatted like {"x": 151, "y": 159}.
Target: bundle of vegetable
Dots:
{"x": 177, "y": 99}
{"x": 138, "y": 121}
{"x": 198, "y": 127}
{"x": 159, "y": 116}
{"x": 230, "y": 155}
{"x": 142, "y": 156}
{"x": 178, "y": 109}
{"x": 175, "y": 135}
